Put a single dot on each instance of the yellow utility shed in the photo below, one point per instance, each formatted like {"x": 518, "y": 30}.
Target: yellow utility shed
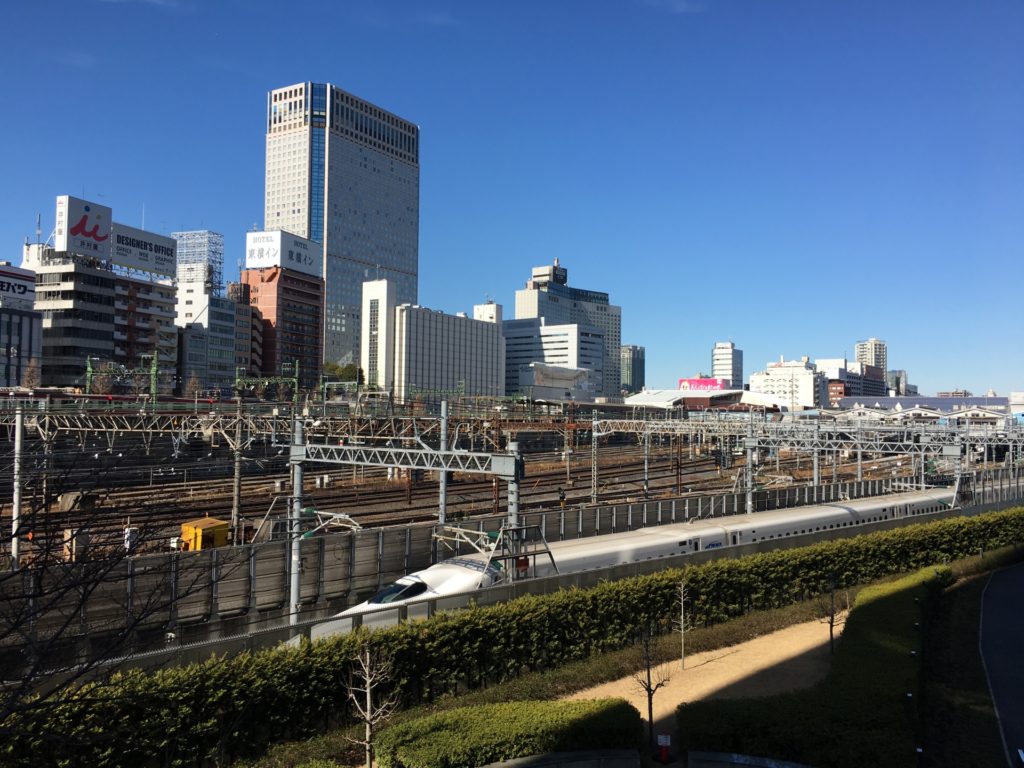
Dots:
{"x": 204, "y": 533}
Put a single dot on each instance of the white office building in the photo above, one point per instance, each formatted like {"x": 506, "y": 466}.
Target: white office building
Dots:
{"x": 547, "y": 295}
{"x": 796, "y": 384}
{"x": 377, "y": 349}
{"x": 427, "y": 354}
{"x": 345, "y": 173}
{"x": 568, "y": 345}
{"x": 727, "y": 363}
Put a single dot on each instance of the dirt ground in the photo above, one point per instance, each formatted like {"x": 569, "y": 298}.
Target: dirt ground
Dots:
{"x": 790, "y": 659}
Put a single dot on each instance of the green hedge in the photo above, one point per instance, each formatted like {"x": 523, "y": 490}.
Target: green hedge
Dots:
{"x": 236, "y": 706}
{"x": 472, "y": 736}
{"x": 860, "y": 715}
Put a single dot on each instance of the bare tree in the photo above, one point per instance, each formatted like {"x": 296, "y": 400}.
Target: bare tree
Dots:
{"x": 73, "y": 604}
{"x": 31, "y": 376}
{"x": 682, "y": 624}
{"x": 104, "y": 379}
{"x": 654, "y": 673}
{"x": 371, "y": 673}
{"x": 192, "y": 386}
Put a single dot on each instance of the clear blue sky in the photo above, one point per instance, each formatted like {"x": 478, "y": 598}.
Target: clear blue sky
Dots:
{"x": 793, "y": 175}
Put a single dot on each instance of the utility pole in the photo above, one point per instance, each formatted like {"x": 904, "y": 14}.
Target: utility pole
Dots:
{"x": 295, "y": 564}
{"x": 236, "y": 485}
{"x": 19, "y": 423}
{"x": 443, "y": 493}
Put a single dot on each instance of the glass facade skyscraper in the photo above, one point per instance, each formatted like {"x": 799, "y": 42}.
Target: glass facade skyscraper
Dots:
{"x": 345, "y": 173}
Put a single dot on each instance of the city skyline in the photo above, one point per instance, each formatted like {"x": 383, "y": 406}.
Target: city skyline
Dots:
{"x": 793, "y": 178}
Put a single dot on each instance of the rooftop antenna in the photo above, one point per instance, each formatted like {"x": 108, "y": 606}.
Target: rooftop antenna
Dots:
{"x": 39, "y": 228}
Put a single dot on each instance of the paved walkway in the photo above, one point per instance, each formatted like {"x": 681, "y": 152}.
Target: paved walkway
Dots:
{"x": 790, "y": 659}
{"x": 1002, "y": 636}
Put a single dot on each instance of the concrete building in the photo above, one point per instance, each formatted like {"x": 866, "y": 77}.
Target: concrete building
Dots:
{"x": 437, "y": 353}
{"x": 632, "y": 374}
{"x": 345, "y": 173}
{"x": 567, "y": 345}
{"x": 144, "y": 326}
{"x": 873, "y": 352}
{"x": 796, "y": 382}
{"x": 105, "y": 294}
{"x": 248, "y": 331}
{"x": 75, "y": 295}
{"x": 192, "y": 362}
{"x": 727, "y": 363}
{"x": 21, "y": 326}
{"x": 291, "y": 305}
{"x": 200, "y": 273}
{"x": 547, "y": 295}
{"x": 200, "y": 258}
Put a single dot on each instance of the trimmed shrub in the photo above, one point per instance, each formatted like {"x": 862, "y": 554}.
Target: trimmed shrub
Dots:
{"x": 472, "y": 736}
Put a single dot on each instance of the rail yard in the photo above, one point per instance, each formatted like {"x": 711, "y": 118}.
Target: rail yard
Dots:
{"x": 125, "y": 495}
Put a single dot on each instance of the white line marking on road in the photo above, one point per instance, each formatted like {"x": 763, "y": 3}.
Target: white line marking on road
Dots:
{"x": 1021, "y": 753}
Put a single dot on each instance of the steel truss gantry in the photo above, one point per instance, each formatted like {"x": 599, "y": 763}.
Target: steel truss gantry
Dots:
{"x": 821, "y": 437}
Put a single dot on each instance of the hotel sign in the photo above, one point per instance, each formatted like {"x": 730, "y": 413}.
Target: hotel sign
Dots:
{"x": 277, "y": 248}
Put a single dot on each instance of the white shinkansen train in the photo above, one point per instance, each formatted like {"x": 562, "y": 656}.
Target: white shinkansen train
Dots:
{"x": 474, "y": 571}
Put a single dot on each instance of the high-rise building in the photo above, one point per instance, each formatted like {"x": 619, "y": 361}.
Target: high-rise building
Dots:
{"x": 632, "y": 368}
{"x": 727, "y": 363}
{"x": 873, "y": 352}
{"x": 547, "y": 295}
{"x": 345, "y": 173}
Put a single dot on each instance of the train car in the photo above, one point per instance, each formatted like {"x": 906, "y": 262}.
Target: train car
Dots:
{"x": 475, "y": 571}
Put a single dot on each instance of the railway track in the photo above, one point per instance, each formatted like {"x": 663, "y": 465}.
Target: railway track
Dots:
{"x": 369, "y": 498}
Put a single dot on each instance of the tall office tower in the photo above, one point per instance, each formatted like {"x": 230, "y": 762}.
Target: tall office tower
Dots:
{"x": 873, "y": 352}
{"x": 346, "y": 174}
{"x": 727, "y": 363}
{"x": 547, "y": 295}
{"x": 632, "y": 371}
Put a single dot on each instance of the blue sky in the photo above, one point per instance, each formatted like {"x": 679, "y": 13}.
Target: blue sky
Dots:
{"x": 791, "y": 175}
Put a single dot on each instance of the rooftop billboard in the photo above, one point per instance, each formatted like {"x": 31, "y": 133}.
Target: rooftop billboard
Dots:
{"x": 82, "y": 227}
{"x": 145, "y": 251}
{"x": 703, "y": 385}
{"x": 277, "y": 248}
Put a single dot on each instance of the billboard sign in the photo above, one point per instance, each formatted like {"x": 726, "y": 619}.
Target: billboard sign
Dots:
{"x": 283, "y": 249}
{"x": 145, "y": 251}
{"x": 702, "y": 385}
{"x": 82, "y": 227}
{"x": 17, "y": 288}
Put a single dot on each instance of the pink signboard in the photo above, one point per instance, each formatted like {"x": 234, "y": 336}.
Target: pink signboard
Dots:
{"x": 702, "y": 385}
